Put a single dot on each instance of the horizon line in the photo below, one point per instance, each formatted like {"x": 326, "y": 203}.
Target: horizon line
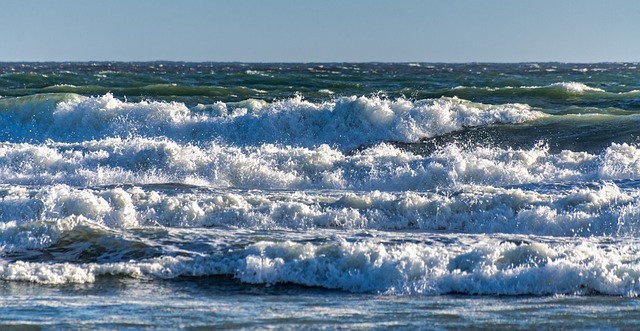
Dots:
{"x": 314, "y": 62}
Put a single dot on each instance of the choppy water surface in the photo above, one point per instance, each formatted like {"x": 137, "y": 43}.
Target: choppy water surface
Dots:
{"x": 143, "y": 195}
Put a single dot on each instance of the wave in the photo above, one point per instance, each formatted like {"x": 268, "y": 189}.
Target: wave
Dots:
{"x": 506, "y": 268}
{"x": 574, "y": 87}
{"x": 555, "y": 89}
{"x": 562, "y": 93}
{"x": 348, "y": 121}
{"x": 156, "y": 90}
{"x": 383, "y": 167}
{"x": 563, "y": 209}
{"x": 375, "y": 263}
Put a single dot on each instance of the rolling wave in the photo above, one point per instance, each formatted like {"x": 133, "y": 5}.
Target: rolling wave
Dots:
{"x": 377, "y": 263}
{"x": 348, "y": 122}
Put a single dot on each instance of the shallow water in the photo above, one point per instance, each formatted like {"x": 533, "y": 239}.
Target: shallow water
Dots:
{"x": 223, "y": 303}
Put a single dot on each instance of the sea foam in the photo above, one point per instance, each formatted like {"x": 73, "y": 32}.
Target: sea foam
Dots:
{"x": 439, "y": 264}
{"x": 294, "y": 121}
{"x": 31, "y": 217}
{"x": 383, "y": 167}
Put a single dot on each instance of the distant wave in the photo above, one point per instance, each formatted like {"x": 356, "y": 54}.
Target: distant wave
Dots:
{"x": 155, "y": 90}
{"x": 555, "y": 90}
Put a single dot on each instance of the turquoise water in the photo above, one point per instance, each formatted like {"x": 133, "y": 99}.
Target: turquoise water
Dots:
{"x": 361, "y": 196}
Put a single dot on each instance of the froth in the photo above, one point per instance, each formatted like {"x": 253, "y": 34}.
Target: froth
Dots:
{"x": 347, "y": 121}
{"x": 564, "y": 211}
{"x": 504, "y": 268}
{"x": 426, "y": 266}
{"x": 383, "y": 167}
{"x": 575, "y": 87}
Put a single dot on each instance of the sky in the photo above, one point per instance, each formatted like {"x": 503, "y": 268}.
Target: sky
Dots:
{"x": 321, "y": 31}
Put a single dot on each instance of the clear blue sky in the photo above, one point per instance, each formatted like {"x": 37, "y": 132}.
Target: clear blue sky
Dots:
{"x": 326, "y": 31}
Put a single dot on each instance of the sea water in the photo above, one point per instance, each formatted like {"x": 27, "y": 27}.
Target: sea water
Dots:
{"x": 319, "y": 196}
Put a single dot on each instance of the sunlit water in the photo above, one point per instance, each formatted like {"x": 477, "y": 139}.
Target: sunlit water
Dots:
{"x": 323, "y": 196}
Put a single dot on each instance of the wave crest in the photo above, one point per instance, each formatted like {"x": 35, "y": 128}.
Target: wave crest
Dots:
{"x": 347, "y": 122}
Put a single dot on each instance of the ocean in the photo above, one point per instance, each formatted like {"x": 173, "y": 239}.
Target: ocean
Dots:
{"x": 371, "y": 196}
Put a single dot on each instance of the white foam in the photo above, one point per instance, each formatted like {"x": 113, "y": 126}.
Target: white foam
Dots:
{"x": 31, "y": 217}
{"x": 347, "y": 122}
{"x": 477, "y": 265}
{"x": 267, "y": 166}
{"x": 488, "y": 268}
{"x": 575, "y": 87}
{"x": 381, "y": 167}
{"x": 568, "y": 87}
{"x": 620, "y": 161}
{"x": 80, "y": 117}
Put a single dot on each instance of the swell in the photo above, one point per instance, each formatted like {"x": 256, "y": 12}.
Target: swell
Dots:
{"x": 552, "y": 96}
{"x": 159, "y": 91}
{"x": 584, "y": 132}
